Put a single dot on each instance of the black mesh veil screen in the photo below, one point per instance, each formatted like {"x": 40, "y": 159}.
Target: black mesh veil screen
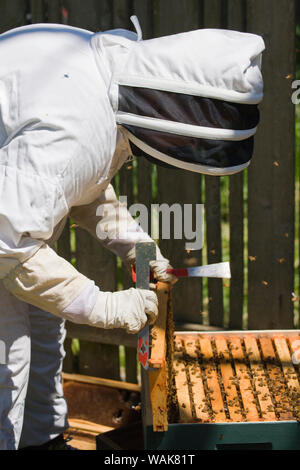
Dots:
{"x": 196, "y": 111}
{"x": 187, "y": 109}
{"x": 214, "y": 153}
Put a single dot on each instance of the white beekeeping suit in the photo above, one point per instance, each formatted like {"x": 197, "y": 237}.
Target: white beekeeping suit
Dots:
{"x": 63, "y": 93}
{"x": 58, "y": 136}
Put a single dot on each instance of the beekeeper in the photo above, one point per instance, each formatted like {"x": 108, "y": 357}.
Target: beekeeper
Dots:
{"x": 70, "y": 103}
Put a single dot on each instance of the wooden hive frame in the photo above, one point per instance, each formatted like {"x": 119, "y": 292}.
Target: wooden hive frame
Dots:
{"x": 161, "y": 336}
{"x": 222, "y": 377}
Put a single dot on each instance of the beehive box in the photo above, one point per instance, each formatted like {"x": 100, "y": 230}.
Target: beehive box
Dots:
{"x": 230, "y": 390}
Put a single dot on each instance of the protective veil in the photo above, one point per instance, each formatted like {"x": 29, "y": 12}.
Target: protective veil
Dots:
{"x": 190, "y": 99}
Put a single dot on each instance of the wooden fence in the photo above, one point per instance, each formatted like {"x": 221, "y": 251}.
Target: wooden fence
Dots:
{"x": 249, "y": 216}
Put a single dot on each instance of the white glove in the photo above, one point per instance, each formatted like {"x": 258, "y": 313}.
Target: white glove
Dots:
{"x": 159, "y": 268}
{"x": 129, "y": 309}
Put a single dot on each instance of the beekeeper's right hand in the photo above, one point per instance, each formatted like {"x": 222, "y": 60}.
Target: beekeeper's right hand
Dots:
{"x": 129, "y": 309}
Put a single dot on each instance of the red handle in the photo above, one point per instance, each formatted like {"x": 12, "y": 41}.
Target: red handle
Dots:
{"x": 180, "y": 272}
{"x": 133, "y": 274}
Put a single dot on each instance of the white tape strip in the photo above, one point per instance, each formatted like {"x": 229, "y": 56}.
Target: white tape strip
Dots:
{"x": 220, "y": 270}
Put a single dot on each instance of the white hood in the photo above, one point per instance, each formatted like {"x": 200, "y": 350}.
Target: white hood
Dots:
{"x": 214, "y": 74}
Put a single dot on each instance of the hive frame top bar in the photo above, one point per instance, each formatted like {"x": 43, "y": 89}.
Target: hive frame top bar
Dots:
{"x": 231, "y": 423}
{"x": 239, "y": 332}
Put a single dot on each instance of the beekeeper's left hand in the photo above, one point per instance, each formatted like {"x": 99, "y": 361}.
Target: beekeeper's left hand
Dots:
{"x": 158, "y": 267}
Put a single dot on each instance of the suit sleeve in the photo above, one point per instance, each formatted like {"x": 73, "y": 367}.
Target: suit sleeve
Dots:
{"x": 108, "y": 220}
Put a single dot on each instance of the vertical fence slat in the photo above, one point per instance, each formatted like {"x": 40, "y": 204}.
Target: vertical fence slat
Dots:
{"x": 175, "y": 16}
{"x": 213, "y": 19}
{"x": 95, "y": 261}
{"x": 64, "y": 243}
{"x": 236, "y": 212}
{"x": 12, "y": 14}
{"x": 91, "y": 15}
{"x": 297, "y": 287}
{"x": 271, "y": 175}
{"x": 122, "y": 11}
{"x": 99, "y": 360}
{"x": 144, "y": 9}
{"x": 54, "y": 11}
{"x": 144, "y": 172}
{"x": 37, "y": 11}
{"x": 126, "y": 189}
{"x": 236, "y": 15}
{"x": 214, "y": 248}
{"x": 131, "y": 364}
{"x": 236, "y": 20}
{"x": 178, "y": 186}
